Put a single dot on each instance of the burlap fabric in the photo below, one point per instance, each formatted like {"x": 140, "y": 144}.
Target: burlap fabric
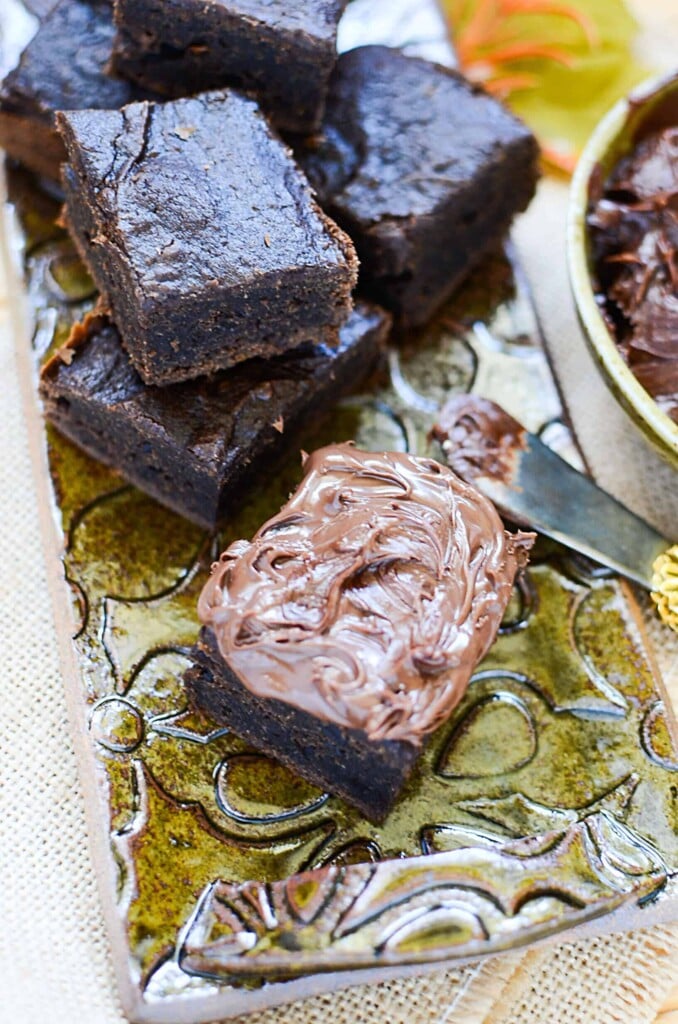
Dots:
{"x": 54, "y": 957}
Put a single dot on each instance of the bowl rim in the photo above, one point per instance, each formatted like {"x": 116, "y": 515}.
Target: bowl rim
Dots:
{"x": 656, "y": 424}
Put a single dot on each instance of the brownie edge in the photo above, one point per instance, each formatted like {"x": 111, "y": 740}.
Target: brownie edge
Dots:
{"x": 423, "y": 169}
{"x": 196, "y": 446}
{"x": 63, "y": 67}
{"x": 367, "y": 774}
{"x": 280, "y": 51}
{"x": 201, "y": 232}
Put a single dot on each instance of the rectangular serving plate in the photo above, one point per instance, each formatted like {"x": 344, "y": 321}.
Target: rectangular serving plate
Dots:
{"x": 544, "y": 805}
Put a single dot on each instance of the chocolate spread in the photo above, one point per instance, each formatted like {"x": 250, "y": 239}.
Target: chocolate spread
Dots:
{"x": 479, "y": 438}
{"x": 369, "y": 599}
{"x": 634, "y": 235}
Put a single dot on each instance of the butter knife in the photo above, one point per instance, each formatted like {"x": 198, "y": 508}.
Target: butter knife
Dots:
{"x": 532, "y": 486}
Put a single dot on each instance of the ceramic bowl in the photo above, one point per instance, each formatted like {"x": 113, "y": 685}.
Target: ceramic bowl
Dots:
{"x": 652, "y": 106}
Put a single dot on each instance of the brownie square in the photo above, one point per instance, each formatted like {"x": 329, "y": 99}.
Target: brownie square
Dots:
{"x": 194, "y": 446}
{"x": 283, "y": 52}
{"x": 424, "y": 171}
{"x": 201, "y": 232}
{"x": 348, "y": 628}
{"x": 367, "y": 774}
{"x": 62, "y": 68}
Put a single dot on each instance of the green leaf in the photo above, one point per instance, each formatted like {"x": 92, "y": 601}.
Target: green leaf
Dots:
{"x": 590, "y": 67}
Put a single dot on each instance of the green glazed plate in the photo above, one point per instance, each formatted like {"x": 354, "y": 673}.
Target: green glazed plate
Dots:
{"x": 547, "y": 801}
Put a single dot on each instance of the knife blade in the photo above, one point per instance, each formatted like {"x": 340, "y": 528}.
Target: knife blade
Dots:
{"x": 534, "y": 487}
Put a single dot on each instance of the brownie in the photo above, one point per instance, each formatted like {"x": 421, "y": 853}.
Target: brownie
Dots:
{"x": 201, "y": 232}
{"x": 282, "y": 52}
{"x": 62, "y": 68}
{"x": 347, "y": 629}
{"x": 194, "y": 446}
{"x": 340, "y": 760}
{"x": 423, "y": 169}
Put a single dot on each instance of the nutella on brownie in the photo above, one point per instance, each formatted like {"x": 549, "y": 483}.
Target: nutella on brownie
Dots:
{"x": 369, "y": 599}
{"x": 634, "y": 235}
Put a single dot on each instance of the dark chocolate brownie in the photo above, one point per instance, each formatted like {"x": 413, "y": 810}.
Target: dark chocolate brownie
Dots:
{"x": 62, "y": 68}
{"x": 194, "y": 445}
{"x": 347, "y": 629}
{"x": 201, "y": 232}
{"x": 340, "y": 760}
{"x": 424, "y": 171}
{"x": 283, "y": 51}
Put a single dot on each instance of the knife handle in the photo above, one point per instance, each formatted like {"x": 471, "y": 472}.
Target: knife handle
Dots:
{"x": 665, "y": 586}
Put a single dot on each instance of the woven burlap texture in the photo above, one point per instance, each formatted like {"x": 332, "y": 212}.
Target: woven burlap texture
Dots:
{"x": 54, "y": 956}
{"x": 601, "y": 981}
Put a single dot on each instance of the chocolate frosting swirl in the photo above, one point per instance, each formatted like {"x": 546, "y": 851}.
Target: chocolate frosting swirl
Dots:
{"x": 479, "y": 438}
{"x": 369, "y": 599}
{"x": 634, "y": 235}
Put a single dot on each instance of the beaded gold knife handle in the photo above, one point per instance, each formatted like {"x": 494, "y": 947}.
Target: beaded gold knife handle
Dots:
{"x": 665, "y": 585}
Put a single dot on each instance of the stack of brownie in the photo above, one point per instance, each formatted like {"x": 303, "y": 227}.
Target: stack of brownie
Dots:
{"x": 221, "y": 168}
{"x": 223, "y": 172}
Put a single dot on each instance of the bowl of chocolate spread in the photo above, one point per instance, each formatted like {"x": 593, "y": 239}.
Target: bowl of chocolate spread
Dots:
{"x": 623, "y": 256}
